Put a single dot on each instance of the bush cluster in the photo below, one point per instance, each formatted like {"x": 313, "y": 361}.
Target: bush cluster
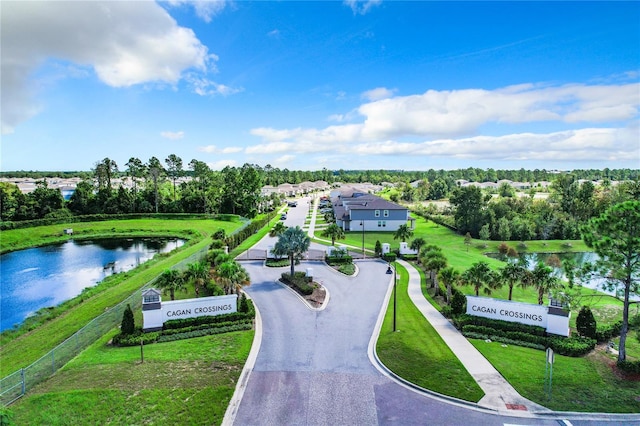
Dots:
{"x": 527, "y": 336}
{"x": 337, "y": 260}
{"x": 205, "y": 332}
{"x": 235, "y": 239}
{"x": 299, "y": 280}
{"x": 632, "y": 367}
{"x": 606, "y": 332}
{"x": 217, "y": 319}
{"x": 462, "y": 320}
{"x": 389, "y": 257}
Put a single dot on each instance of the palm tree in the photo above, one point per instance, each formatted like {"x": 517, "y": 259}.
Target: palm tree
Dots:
{"x": 292, "y": 242}
{"x": 170, "y": 281}
{"x": 233, "y": 276}
{"x": 449, "y": 276}
{"x": 511, "y": 274}
{"x": 334, "y": 232}
{"x": 434, "y": 260}
{"x": 481, "y": 277}
{"x": 277, "y": 229}
{"x": 199, "y": 273}
{"x": 417, "y": 244}
{"x": 403, "y": 233}
{"x": 544, "y": 280}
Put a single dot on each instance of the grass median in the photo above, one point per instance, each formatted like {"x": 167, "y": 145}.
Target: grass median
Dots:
{"x": 417, "y": 353}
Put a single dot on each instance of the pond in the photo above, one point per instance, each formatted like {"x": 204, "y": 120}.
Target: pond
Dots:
{"x": 580, "y": 258}
{"x": 41, "y": 277}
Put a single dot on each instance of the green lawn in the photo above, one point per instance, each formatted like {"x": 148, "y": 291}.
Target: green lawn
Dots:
{"x": 188, "y": 382}
{"x": 579, "y": 384}
{"x": 418, "y": 354}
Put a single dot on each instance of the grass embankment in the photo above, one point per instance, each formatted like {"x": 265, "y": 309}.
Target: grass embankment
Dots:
{"x": 187, "y": 382}
{"x": 19, "y": 350}
{"x": 579, "y": 384}
{"x": 417, "y": 353}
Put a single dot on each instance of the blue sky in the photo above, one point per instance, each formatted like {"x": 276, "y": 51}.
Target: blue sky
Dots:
{"x": 306, "y": 85}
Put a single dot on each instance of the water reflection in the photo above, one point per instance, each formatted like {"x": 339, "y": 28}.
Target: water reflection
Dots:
{"x": 36, "y": 278}
{"x": 579, "y": 258}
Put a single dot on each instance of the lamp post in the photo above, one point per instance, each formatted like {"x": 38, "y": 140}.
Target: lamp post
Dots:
{"x": 395, "y": 282}
{"x": 363, "y": 253}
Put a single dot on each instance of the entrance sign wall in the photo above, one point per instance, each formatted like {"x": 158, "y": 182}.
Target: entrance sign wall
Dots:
{"x": 155, "y": 312}
{"x": 554, "y": 320}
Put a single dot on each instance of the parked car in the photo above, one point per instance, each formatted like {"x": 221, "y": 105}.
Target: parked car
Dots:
{"x": 292, "y": 204}
{"x": 283, "y": 216}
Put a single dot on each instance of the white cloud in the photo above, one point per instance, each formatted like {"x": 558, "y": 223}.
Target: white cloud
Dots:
{"x": 274, "y": 33}
{"x": 205, "y": 87}
{"x": 594, "y": 144}
{"x": 378, "y": 93}
{"x": 125, "y": 43}
{"x": 172, "y": 135}
{"x": 205, "y": 9}
{"x": 212, "y": 149}
{"x": 284, "y": 161}
{"x": 361, "y": 7}
{"x": 456, "y": 113}
{"x": 219, "y": 165}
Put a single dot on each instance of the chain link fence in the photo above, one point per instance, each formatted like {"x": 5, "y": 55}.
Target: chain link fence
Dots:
{"x": 16, "y": 384}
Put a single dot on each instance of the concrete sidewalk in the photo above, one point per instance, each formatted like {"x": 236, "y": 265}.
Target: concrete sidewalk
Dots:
{"x": 499, "y": 394}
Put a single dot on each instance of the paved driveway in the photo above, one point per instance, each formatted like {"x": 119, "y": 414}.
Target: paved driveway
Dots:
{"x": 313, "y": 367}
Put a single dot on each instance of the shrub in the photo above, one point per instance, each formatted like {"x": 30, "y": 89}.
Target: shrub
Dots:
{"x": 446, "y": 311}
{"x": 607, "y": 331}
{"x": 522, "y": 245}
{"x": 216, "y": 244}
{"x": 341, "y": 259}
{"x": 216, "y": 319}
{"x": 220, "y": 234}
{"x": 503, "y": 248}
{"x": 378, "y": 248}
{"x": 128, "y": 324}
{"x": 458, "y": 302}
{"x": 462, "y": 320}
{"x": 632, "y": 367}
{"x": 572, "y": 346}
{"x": 389, "y": 257}
{"x": 299, "y": 280}
{"x": 586, "y": 323}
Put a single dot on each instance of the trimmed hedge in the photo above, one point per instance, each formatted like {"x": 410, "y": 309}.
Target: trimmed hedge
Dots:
{"x": 337, "y": 260}
{"x": 606, "y": 332}
{"x": 216, "y": 319}
{"x": 205, "y": 332}
{"x": 300, "y": 281}
{"x": 464, "y": 319}
{"x": 522, "y": 335}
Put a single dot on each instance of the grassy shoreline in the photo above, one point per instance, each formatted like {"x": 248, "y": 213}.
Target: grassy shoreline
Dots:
{"x": 20, "y": 349}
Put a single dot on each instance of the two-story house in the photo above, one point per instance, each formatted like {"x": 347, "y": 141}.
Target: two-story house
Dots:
{"x": 357, "y": 211}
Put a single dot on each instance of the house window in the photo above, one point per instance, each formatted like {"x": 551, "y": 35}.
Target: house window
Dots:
{"x": 386, "y": 213}
{"x": 379, "y": 223}
{"x": 151, "y": 298}
{"x": 384, "y": 223}
{"x": 377, "y": 213}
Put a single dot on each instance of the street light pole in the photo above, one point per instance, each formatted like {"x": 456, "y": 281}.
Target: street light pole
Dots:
{"x": 363, "y": 253}
{"x": 395, "y": 289}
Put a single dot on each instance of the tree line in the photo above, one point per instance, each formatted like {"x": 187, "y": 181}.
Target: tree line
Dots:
{"x": 154, "y": 188}
{"x": 506, "y": 217}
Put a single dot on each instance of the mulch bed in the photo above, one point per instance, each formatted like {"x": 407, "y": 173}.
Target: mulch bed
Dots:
{"x": 315, "y": 299}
